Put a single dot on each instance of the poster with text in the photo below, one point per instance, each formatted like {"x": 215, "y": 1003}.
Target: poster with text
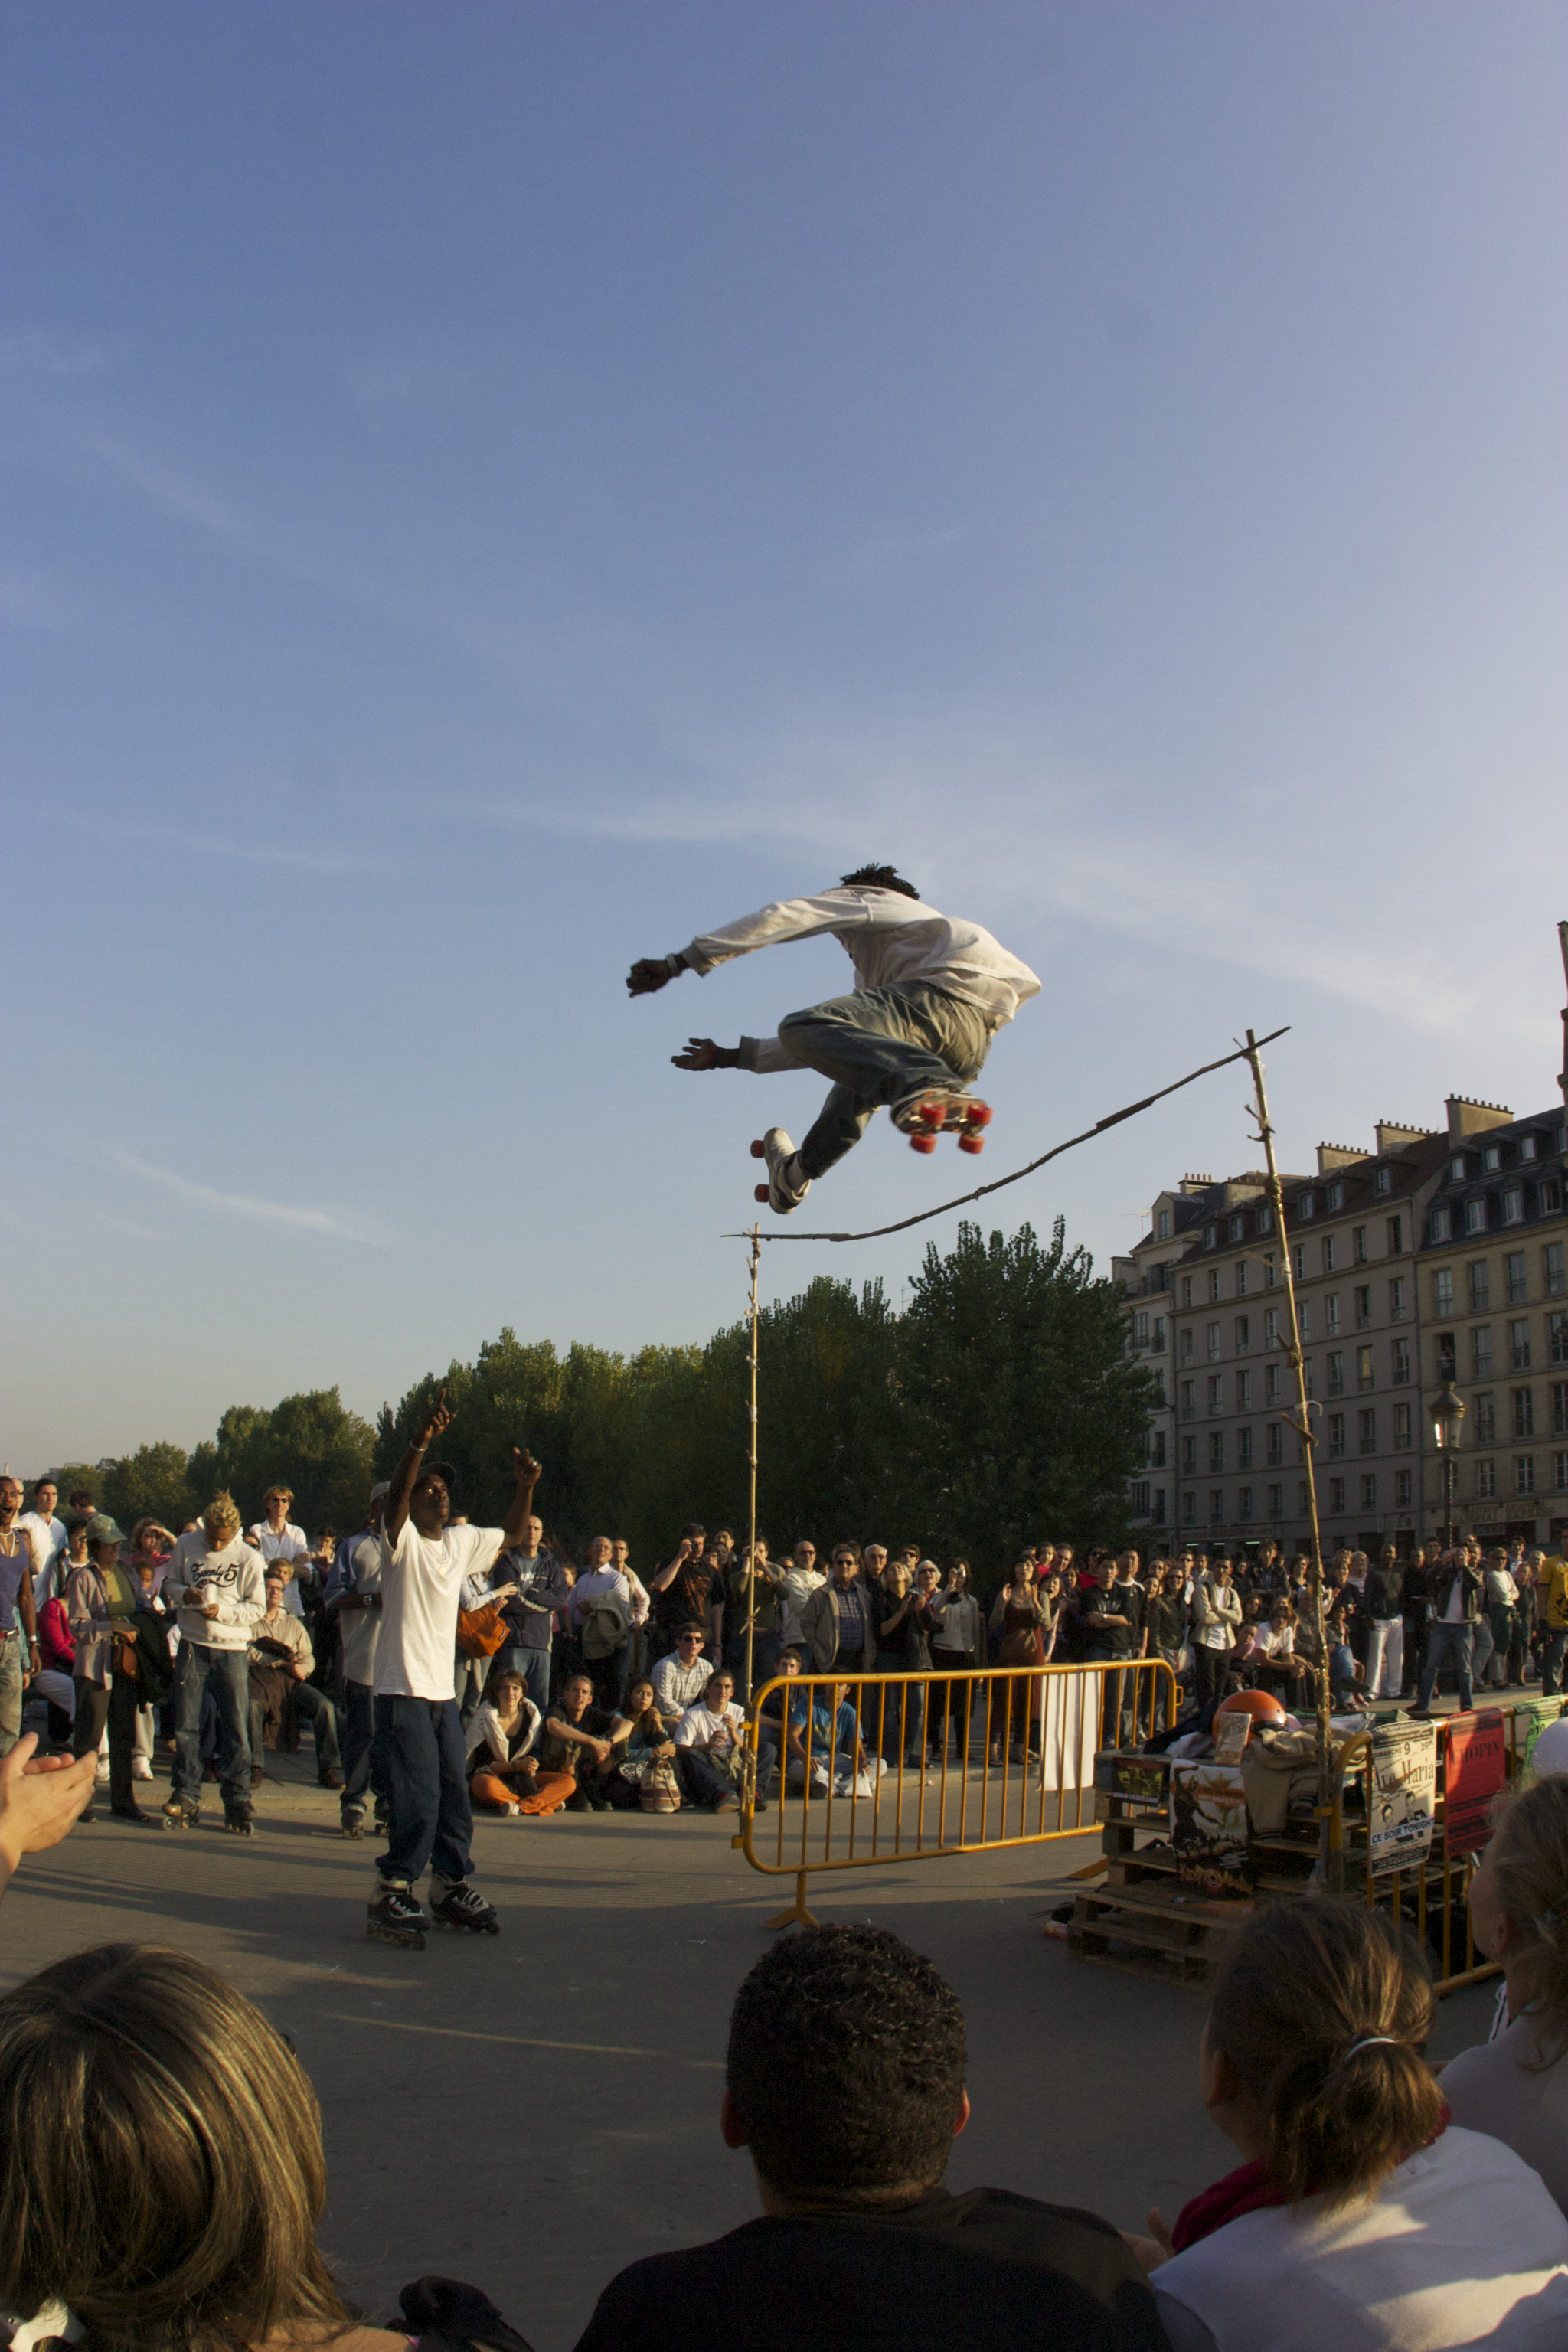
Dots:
{"x": 1403, "y": 1794}
{"x": 1209, "y": 1828}
{"x": 1477, "y": 1770}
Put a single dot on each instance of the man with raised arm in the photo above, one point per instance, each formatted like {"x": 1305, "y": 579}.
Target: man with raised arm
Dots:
{"x": 931, "y": 992}
{"x": 418, "y": 1733}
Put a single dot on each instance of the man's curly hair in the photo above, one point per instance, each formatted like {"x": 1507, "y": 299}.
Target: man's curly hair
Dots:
{"x": 845, "y": 2065}
{"x": 879, "y": 878}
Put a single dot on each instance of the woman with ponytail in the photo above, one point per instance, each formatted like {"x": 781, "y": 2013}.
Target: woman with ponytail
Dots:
{"x": 1360, "y": 2218}
{"x": 1516, "y": 2085}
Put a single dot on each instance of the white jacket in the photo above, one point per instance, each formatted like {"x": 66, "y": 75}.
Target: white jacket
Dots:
{"x": 485, "y": 1732}
{"x": 892, "y": 943}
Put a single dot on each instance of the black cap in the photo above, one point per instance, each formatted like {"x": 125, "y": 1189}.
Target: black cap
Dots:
{"x": 442, "y": 1470}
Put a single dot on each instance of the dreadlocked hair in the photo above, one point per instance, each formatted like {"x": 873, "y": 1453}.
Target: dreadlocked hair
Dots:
{"x": 1322, "y": 2008}
{"x": 879, "y": 878}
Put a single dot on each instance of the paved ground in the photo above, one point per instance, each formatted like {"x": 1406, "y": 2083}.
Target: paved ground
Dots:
{"x": 532, "y": 2111}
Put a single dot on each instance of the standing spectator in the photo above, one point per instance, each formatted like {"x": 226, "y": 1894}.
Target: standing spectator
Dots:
{"x": 682, "y": 1585}
{"x": 873, "y": 1563}
{"x": 541, "y": 1589}
{"x": 100, "y": 1601}
{"x": 280, "y": 1648}
{"x": 356, "y": 1601}
{"x": 1553, "y": 1608}
{"x": 1217, "y": 1614}
{"x": 837, "y": 1618}
{"x": 1417, "y": 1615}
{"x": 903, "y": 1647}
{"x": 19, "y": 1565}
{"x": 215, "y": 1585}
{"x": 423, "y": 1753}
{"x": 1383, "y": 1598}
{"x": 679, "y": 1680}
{"x": 753, "y": 1595}
{"x": 277, "y": 1538}
{"x": 1502, "y": 1613}
{"x": 48, "y": 1535}
{"x": 1113, "y": 1631}
{"x": 1457, "y": 1596}
{"x": 601, "y": 1607}
{"x": 1018, "y": 1622}
{"x": 954, "y": 1649}
{"x": 801, "y": 1579}
{"x": 642, "y": 1601}
{"x": 1522, "y": 1656}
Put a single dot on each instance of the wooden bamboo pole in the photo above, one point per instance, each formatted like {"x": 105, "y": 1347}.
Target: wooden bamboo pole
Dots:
{"x": 756, "y": 1240}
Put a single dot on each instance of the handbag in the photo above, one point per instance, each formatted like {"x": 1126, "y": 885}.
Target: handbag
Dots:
{"x": 659, "y": 1790}
{"x": 481, "y": 1631}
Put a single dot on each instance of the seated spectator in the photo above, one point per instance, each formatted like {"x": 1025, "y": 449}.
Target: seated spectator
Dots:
{"x": 642, "y": 1776}
{"x": 1516, "y": 2085}
{"x": 131, "y": 2048}
{"x": 844, "y": 2083}
{"x": 1359, "y": 2219}
{"x": 577, "y": 1740}
{"x": 503, "y": 1770}
{"x": 679, "y": 1680}
{"x": 281, "y": 1656}
{"x": 708, "y": 1747}
{"x": 57, "y": 1665}
{"x": 1275, "y": 1665}
{"x": 823, "y": 1748}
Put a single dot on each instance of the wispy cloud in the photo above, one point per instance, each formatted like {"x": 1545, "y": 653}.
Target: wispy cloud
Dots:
{"x": 326, "y": 1222}
{"x": 201, "y": 845}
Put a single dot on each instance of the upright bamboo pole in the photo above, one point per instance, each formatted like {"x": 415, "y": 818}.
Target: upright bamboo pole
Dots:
{"x": 752, "y": 1467}
{"x": 1333, "y": 1865}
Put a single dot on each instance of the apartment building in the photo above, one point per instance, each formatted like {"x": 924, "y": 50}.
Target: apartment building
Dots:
{"x": 1495, "y": 1307}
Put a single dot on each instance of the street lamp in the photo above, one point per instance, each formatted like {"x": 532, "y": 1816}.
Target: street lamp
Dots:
{"x": 1447, "y": 1417}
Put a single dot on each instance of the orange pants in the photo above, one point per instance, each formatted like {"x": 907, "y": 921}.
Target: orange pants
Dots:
{"x": 550, "y": 1791}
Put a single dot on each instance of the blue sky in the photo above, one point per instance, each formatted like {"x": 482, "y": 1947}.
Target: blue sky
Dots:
{"x": 491, "y": 491}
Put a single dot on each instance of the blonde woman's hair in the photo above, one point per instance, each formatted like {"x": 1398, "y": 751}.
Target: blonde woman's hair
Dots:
{"x": 1322, "y": 2009}
{"x": 222, "y": 1511}
{"x": 164, "y": 2170}
{"x": 1529, "y": 1869}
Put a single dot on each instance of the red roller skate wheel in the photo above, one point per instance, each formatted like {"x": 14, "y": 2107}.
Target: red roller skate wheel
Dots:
{"x": 980, "y": 1115}
{"x": 931, "y": 1114}
{"x": 759, "y": 1152}
{"x": 922, "y": 1143}
{"x": 760, "y": 1194}
{"x": 971, "y": 1143}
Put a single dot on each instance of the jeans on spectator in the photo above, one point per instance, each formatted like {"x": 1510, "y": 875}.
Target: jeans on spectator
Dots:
{"x": 421, "y": 1752}
{"x": 903, "y": 1710}
{"x": 114, "y": 1704}
{"x": 11, "y": 1695}
{"x": 706, "y": 1784}
{"x": 1445, "y": 1643}
{"x": 469, "y": 1678}
{"x": 1385, "y": 1658}
{"x": 533, "y": 1665}
{"x": 1209, "y": 1669}
{"x": 224, "y": 1676}
{"x": 764, "y": 1661}
{"x": 361, "y": 1765}
{"x": 58, "y": 1693}
{"x": 878, "y": 1046}
{"x": 1481, "y": 1650}
{"x": 609, "y": 1676}
{"x": 1554, "y": 1649}
{"x": 319, "y": 1712}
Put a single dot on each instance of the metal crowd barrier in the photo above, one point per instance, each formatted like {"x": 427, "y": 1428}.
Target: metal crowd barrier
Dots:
{"x": 1053, "y": 1716}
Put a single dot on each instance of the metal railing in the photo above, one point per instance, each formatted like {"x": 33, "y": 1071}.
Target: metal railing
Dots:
{"x": 857, "y": 1791}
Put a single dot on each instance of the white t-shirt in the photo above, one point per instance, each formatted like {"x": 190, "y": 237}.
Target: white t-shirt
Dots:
{"x": 421, "y": 1589}
{"x": 48, "y": 1543}
{"x": 289, "y": 1543}
{"x": 703, "y": 1726}
{"x": 1497, "y": 2087}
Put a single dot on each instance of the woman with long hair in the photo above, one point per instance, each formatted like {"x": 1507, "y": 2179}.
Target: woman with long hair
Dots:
{"x": 1017, "y": 1618}
{"x": 503, "y": 1770}
{"x": 639, "y": 1742}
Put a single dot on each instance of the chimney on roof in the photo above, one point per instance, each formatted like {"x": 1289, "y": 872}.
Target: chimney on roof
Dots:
{"x": 1191, "y": 1184}
{"x": 1338, "y": 1155}
{"x": 1467, "y": 1118}
{"x": 1391, "y": 1137}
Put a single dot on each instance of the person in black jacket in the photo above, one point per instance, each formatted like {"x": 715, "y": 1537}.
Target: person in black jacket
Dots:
{"x": 845, "y": 2083}
{"x": 1384, "y": 1601}
{"x": 1458, "y": 1590}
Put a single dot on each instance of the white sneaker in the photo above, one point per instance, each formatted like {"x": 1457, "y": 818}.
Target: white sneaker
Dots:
{"x": 102, "y": 1771}
{"x": 787, "y": 1186}
{"x": 140, "y": 1767}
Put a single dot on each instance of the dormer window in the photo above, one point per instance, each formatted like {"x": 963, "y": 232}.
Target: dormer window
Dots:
{"x": 1336, "y": 1196}
{"x": 1491, "y": 1158}
{"x": 1384, "y": 1180}
{"x": 1233, "y": 1229}
{"x": 1527, "y": 1147}
{"x": 1306, "y": 1204}
{"x": 1263, "y": 1221}
{"x": 1457, "y": 1169}
{"x": 1211, "y": 1236}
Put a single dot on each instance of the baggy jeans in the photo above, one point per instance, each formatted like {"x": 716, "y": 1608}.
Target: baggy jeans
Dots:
{"x": 878, "y": 1046}
{"x": 421, "y": 1750}
{"x": 1446, "y": 1645}
{"x": 225, "y": 1676}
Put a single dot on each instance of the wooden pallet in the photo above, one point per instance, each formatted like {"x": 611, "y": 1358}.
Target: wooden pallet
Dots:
{"x": 1158, "y": 1931}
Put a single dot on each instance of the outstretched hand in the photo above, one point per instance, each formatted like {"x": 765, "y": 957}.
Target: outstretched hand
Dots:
{"x": 438, "y": 1422}
{"x": 649, "y": 973}
{"x": 524, "y": 1468}
{"x": 39, "y": 1799}
{"x": 702, "y": 1054}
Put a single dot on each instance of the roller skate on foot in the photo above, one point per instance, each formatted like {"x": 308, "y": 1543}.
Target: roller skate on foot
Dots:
{"x": 787, "y": 1186}
{"x": 461, "y": 1907}
{"x": 180, "y": 1813}
{"x": 941, "y": 1111}
{"x": 395, "y": 1917}
{"x": 353, "y": 1823}
{"x": 239, "y": 1818}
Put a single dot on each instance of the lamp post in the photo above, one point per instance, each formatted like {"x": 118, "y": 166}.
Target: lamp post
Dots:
{"x": 1447, "y": 1417}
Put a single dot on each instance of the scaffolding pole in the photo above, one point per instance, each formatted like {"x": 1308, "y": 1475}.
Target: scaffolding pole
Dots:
{"x": 756, "y": 1240}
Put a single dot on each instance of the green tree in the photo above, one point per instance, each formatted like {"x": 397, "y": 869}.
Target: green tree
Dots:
{"x": 1021, "y": 1416}
{"x": 75, "y": 1477}
{"x": 310, "y": 1442}
{"x": 152, "y": 1483}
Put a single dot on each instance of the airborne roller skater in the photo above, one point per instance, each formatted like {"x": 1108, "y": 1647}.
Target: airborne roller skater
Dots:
{"x": 931, "y": 992}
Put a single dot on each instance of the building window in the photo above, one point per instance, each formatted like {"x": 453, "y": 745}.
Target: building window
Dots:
{"x": 1328, "y": 1253}
{"x": 1560, "y": 1473}
{"x": 1358, "y": 1244}
{"x": 1331, "y": 1316}
{"x": 1447, "y": 1359}
{"x": 1263, "y": 1220}
{"x": 1212, "y": 1336}
{"x": 1518, "y": 1345}
{"x": 1217, "y": 1506}
{"x": 1513, "y": 1205}
{"x": 1243, "y": 1502}
{"x": 1163, "y": 1225}
{"x": 1214, "y": 1283}
{"x": 1363, "y": 1379}
{"x": 1141, "y": 1328}
{"x": 1480, "y": 1288}
{"x": 1442, "y": 1292}
{"x": 1400, "y": 1363}
{"x": 1457, "y": 1171}
{"x": 1190, "y": 1510}
{"x": 1360, "y": 1301}
{"x": 1336, "y": 1195}
{"x": 1336, "y": 1499}
{"x": 1216, "y": 1450}
{"x": 1269, "y": 1274}
{"x": 1486, "y": 1481}
{"x": 1336, "y": 1436}
{"x": 1559, "y": 1408}
{"x": 1243, "y": 1392}
{"x": 1481, "y": 1352}
{"x": 1274, "y": 1446}
{"x": 1439, "y": 1226}
{"x": 1402, "y": 1486}
{"x": 1396, "y": 1238}
{"x": 1217, "y": 1392}
{"x": 1549, "y": 1201}
{"x": 1233, "y": 1229}
{"x": 1524, "y": 1474}
{"x": 1277, "y": 1498}
{"x": 1273, "y": 1383}
{"x": 1485, "y": 1410}
{"x": 1366, "y": 1430}
{"x": 1189, "y": 1458}
{"x": 1184, "y": 1345}
{"x": 1396, "y": 1307}
{"x": 1557, "y": 1337}
{"x": 1271, "y": 1326}
{"x": 1369, "y": 1490}
{"x": 1523, "y": 1402}
{"x": 1476, "y": 1215}
{"x": 1157, "y": 1449}
{"x": 1186, "y": 1290}
{"x": 1141, "y": 1498}
{"x": 1211, "y": 1236}
{"x": 1241, "y": 1278}
{"x": 1243, "y": 1334}
{"x": 1189, "y": 1400}
{"x": 1527, "y": 1147}
{"x": 1401, "y": 1429}
{"x": 1159, "y": 1506}
{"x": 1516, "y": 1277}
{"x": 1336, "y": 1371}
{"x": 1304, "y": 1319}
{"x": 1157, "y": 1395}
{"x": 1298, "y": 1260}
{"x": 1157, "y": 1336}
{"x": 1244, "y": 1449}
{"x": 1384, "y": 1180}
{"x": 1306, "y": 1204}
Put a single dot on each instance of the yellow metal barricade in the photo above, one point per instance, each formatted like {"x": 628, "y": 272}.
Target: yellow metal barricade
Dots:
{"x": 1011, "y": 1754}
